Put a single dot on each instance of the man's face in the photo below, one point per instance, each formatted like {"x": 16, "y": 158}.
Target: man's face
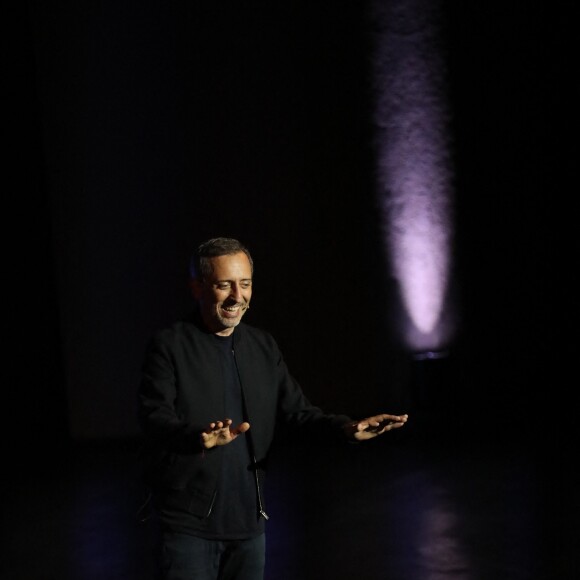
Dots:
{"x": 225, "y": 296}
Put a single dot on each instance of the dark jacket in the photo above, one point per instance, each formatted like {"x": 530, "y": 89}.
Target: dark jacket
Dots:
{"x": 182, "y": 391}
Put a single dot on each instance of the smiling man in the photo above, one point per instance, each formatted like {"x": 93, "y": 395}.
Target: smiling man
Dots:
{"x": 223, "y": 290}
{"x": 212, "y": 392}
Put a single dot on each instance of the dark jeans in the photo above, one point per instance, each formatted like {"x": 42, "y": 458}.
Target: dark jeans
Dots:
{"x": 186, "y": 557}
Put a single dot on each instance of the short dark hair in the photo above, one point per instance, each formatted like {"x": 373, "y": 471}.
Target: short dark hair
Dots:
{"x": 200, "y": 265}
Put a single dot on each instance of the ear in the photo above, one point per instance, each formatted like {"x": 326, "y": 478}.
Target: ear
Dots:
{"x": 196, "y": 288}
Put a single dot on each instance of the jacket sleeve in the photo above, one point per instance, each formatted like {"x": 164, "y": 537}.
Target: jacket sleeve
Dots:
{"x": 297, "y": 412}
{"x": 157, "y": 413}
{"x": 275, "y": 400}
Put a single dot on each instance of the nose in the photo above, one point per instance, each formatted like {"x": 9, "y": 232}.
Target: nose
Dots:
{"x": 236, "y": 292}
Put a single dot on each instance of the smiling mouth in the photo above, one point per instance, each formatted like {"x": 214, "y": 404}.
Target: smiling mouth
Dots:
{"x": 235, "y": 309}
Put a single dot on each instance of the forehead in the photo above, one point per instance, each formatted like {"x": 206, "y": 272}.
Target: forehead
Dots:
{"x": 232, "y": 267}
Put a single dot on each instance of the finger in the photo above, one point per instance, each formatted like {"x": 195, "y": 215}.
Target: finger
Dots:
{"x": 385, "y": 424}
{"x": 241, "y": 428}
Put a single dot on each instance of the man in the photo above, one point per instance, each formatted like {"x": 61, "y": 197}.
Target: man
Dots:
{"x": 213, "y": 392}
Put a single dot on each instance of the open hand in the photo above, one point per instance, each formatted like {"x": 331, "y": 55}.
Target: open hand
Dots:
{"x": 221, "y": 433}
{"x": 373, "y": 426}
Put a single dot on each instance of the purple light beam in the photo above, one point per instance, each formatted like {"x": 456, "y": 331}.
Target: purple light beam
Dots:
{"x": 414, "y": 175}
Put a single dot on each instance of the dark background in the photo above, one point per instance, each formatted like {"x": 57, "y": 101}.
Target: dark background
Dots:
{"x": 137, "y": 129}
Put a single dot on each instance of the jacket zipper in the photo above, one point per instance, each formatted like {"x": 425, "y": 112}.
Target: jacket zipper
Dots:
{"x": 250, "y": 441}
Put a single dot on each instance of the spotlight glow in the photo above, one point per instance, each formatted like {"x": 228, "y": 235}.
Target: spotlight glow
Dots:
{"x": 413, "y": 164}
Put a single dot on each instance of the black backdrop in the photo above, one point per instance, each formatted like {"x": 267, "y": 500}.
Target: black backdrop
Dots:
{"x": 137, "y": 129}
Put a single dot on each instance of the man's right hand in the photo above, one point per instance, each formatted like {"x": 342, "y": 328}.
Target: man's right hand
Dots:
{"x": 221, "y": 433}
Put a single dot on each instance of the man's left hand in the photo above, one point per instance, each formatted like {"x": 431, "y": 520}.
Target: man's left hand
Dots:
{"x": 373, "y": 426}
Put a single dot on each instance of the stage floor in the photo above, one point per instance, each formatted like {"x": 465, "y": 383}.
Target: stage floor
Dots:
{"x": 398, "y": 508}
